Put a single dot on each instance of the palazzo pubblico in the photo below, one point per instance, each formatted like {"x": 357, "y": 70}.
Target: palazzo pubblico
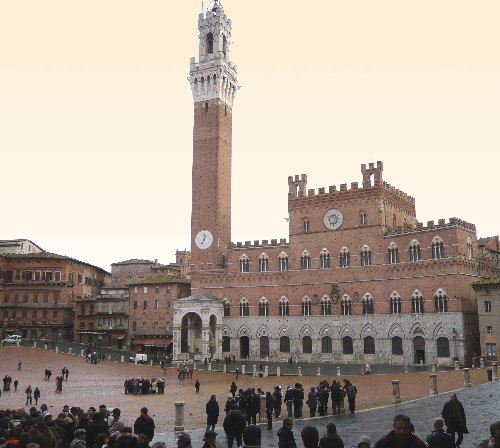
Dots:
{"x": 359, "y": 279}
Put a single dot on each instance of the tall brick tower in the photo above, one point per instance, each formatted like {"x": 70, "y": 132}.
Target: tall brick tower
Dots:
{"x": 213, "y": 82}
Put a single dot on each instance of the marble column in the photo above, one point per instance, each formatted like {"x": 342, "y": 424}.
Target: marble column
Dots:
{"x": 466, "y": 377}
{"x": 179, "y": 416}
{"x": 433, "y": 384}
{"x": 396, "y": 393}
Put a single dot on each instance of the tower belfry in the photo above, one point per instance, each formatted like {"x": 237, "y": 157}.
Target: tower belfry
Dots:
{"x": 213, "y": 80}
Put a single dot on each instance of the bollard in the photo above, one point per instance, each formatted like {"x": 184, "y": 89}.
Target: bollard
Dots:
{"x": 34, "y": 344}
{"x": 433, "y": 368}
{"x": 57, "y": 349}
{"x": 46, "y": 346}
{"x": 278, "y": 371}
{"x": 405, "y": 369}
{"x": 224, "y": 368}
{"x": 122, "y": 358}
{"x": 179, "y": 416}
{"x": 467, "y": 377}
{"x": 194, "y": 366}
{"x": 254, "y": 371}
{"x": 262, "y": 415}
{"x": 151, "y": 363}
{"x": 338, "y": 371}
{"x": 266, "y": 371}
{"x": 300, "y": 371}
{"x": 319, "y": 372}
{"x": 70, "y": 351}
{"x": 17, "y": 343}
{"x": 396, "y": 393}
{"x": 481, "y": 362}
{"x": 243, "y": 369}
{"x": 434, "y": 385}
{"x": 209, "y": 366}
{"x": 135, "y": 361}
{"x": 457, "y": 368}
{"x": 81, "y": 352}
{"x": 495, "y": 371}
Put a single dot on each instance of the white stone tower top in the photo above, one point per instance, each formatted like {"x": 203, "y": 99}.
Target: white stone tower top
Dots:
{"x": 214, "y": 76}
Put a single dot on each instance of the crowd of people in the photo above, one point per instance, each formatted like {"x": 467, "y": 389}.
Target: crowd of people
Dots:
{"x": 139, "y": 386}
{"x": 74, "y": 428}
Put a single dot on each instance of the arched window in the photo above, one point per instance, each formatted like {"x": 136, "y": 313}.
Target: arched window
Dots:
{"x": 210, "y": 43}
{"x": 345, "y": 305}
{"x": 366, "y": 256}
{"x": 244, "y": 264}
{"x": 324, "y": 258}
{"x": 326, "y": 344}
{"x": 306, "y": 306}
{"x": 414, "y": 250}
{"x": 226, "y": 344}
{"x": 284, "y": 344}
{"x": 305, "y": 260}
{"x": 440, "y": 301}
{"x": 437, "y": 248}
{"x": 417, "y": 302}
{"x": 345, "y": 258}
{"x": 393, "y": 253}
{"x": 224, "y": 45}
{"x": 363, "y": 218}
{"x": 284, "y": 307}
{"x": 395, "y": 303}
{"x": 347, "y": 345}
{"x": 397, "y": 345}
{"x": 469, "y": 248}
{"x": 227, "y": 308}
{"x": 393, "y": 221}
{"x": 307, "y": 344}
{"x": 263, "y": 263}
{"x": 283, "y": 262}
{"x": 82, "y": 324}
{"x": 369, "y": 345}
{"x": 263, "y": 307}
{"x": 326, "y": 306}
{"x": 443, "y": 347}
{"x": 244, "y": 307}
{"x": 367, "y": 304}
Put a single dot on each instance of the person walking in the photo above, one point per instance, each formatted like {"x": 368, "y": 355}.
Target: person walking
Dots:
{"x": 212, "y": 410}
{"x": 454, "y": 417}
{"x": 36, "y": 395}
{"x": 438, "y": 438}
{"x": 269, "y": 410}
{"x": 285, "y": 435}
{"x": 197, "y": 386}
{"x": 234, "y": 425}
{"x": 331, "y": 439}
{"x": 233, "y": 389}
{"x": 351, "y": 391}
{"x": 28, "y": 393}
{"x": 312, "y": 401}
{"x": 16, "y": 383}
{"x": 19, "y": 365}
{"x": 253, "y": 407}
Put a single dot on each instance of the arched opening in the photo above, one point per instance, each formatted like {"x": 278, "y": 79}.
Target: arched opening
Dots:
{"x": 264, "y": 346}
{"x": 307, "y": 345}
{"x": 191, "y": 333}
{"x": 369, "y": 345}
{"x": 419, "y": 349}
{"x": 397, "y": 345}
{"x": 210, "y": 43}
{"x": 244, "y": 347}
{"x": 443, "y": 347}
{"x": 326, "y": 344}
{"x": 284, "y": 344}
{"x": 372, "y": 179}
{"x": 211, "y": 334}
{"x": 224, "y": 45}
{"x": 226, "y": 344}
{"x": 347, "y": 348}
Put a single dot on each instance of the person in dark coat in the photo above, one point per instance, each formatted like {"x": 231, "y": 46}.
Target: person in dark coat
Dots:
{"x": 253, "y": 407}
{"x": 438, "y": 438}
{"x": 351, "y": 392}
{"x": 331, "y": 439}
{"x": 234, "y": 425}
{"x": 298, "y": 400}
{"x": 337, "y": 395}
{"x": 269, "y": 410}
{"x": 95, "y": 427}
{"x": 400, "y": 435}
{"x": 277, "y": 399}
{"x": 212, "y": 410}
{"x": 233, "y": 389}
{"x": 197, "y": 386}
{"x": 285, "y": 435}
{"x": 126, "y": 439}
{"x": 145, "y": 425}
{"x": 454, "y": 418}
{"x": 312, "y": 401}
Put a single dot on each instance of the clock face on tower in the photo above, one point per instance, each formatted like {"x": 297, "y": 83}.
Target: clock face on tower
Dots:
{"x": 333, "y": 219}
{"x": 204, "y": 239}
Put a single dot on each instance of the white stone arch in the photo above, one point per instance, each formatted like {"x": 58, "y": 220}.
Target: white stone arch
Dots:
{"x": 244, "y": 331}
{"x": 417, "y": 294}
{"x": 284, "y": 331}
{"x": 396, "y": 330}
{"x": 326, "y": 330}
{"x": 441, "y": 331}
{"x": 346, "y": 297}
{"x": 395, "y": 295}
{"x": 437, "y": 239}
{"x": 440, "y": 293}
{"x": 263, "y": 331}
{"x": 392, "y": 245}
{"x": 226, "y": 331}
{"x": 305, "y": 253}
{"x": 306, "y": 330}
{"x": 418, "y": 329}
{"x": 263, "y": 300}
{"x": 346, "y": 330}
{"x": 368, "y": 330}
{"x": 243, "y": 257}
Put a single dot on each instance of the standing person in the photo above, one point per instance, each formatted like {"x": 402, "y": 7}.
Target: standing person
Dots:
{"x": 253, "y": 407}
{"x": 197, "y": 385}
{"x": 269, "y": 410}
{"x": 277, "y": 399}
{"x": 298, "y": 400}
{"x": 16, "y": 383}
{"x": 438, "y": 438}
{"x": 351, "y": 391}
{"x": 209, "y": 439}
{"x": 331, "y": 439}
{"x": 233, "y": 389}
{"x": 28, "y": 393}
{"x": 337, "y": 394}
{"x": 400, "y": 436}
{"x": 454, "y": 418}
{"x": 49, "y": 374}
{"x": 494, "y": 440}
{"x": 234, "y": 425}
{"x": 310, "y": 436}
{"x": 289, "y": 401}
{"x": 145, "y": 424}
{"x": 312, "y": 401}
{"x": 66, "y": 373}
{"x": 184, "y": 440}
{"x": 237, "y": 372}
{"x": 79, "y": 440}
{"x": 251, "y": 437}
{"x": 323, "y": 399}
{"x": 36, "y": 395}
{"x": 212, "y": 410}
{"x": 285, "y": 434}
{"x": 19, "y": 365}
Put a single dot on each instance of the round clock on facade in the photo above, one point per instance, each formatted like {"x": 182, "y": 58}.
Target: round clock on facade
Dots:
{"x": 333, "y": 219}
{"x": 204, "y": 239}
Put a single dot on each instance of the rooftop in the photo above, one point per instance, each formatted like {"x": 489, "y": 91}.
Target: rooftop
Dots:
{"x": 161, "y": 279}
{"x": 133, "y": 261}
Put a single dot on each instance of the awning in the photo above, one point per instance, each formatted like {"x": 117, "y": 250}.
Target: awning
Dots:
{"x": 11, "y": 329}
{"x": 118, "y": 336}
{"x": 153, "y": 342}
{"x": 91, "y": 332}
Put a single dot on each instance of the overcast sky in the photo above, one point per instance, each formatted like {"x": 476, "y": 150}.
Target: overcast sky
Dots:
{"x": 96, "y": 114}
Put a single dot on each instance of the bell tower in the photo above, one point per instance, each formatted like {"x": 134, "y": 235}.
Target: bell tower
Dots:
{"x": 213, "y": 80}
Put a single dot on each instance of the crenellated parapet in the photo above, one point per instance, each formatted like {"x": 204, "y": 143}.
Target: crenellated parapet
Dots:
{"x": 258, "y": 243}
{"x": 432, "y": 225}
{"x": 398, "y": 193}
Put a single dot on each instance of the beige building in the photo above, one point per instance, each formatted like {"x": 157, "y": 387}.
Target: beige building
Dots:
{"x": 20, "y": 246}
{"x": 488, "y": 309}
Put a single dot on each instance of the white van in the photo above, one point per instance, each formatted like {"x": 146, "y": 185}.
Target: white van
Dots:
{"x": 12, "y": 339}
{"x": 140, "y": 358}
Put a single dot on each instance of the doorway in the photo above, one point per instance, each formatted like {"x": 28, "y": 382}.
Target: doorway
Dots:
{"x": 264, "y": 347}
{"x": 244, "y": 347}
{"x": 419, "y": 350}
